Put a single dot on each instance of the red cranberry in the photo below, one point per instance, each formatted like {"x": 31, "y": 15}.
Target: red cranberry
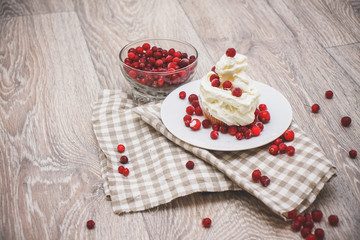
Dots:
{"x": 292, "y": 214}
{"x": 139, "y": 50}
{"x": 90, "y": 224}
{"x": 215, "y": 82}
{"x": 121, "y": 169}
{"x": 198, "y": 111}
{"x": 215, "y": 127}
{"x": 256, "y": 130}
{"x": 282, "y": 148}
{"x": 232, "y": 130}
{"x": 190, "y": 165}
{"x": 187, "y": 118}
{"x": 213, "y": 76}
{"x": 310, "y": 236}
{"x": 316, "y": 215}
{"x": 227, "y": 85}
{"x": 195, "y": 103}
{"x": 319, "y": 233}
{"x": 260, "y": 125}
{"x": 124, "y": 159}
{"x": 290, "y": 150}
{"x": 237, "y": 92}
{"x": 305, "y": 231}
{"x": 213, "y": 69}
{"x": 121, "y": 148}
{"x": 300, "y": 219}
{"x": 230, "y": 52}
{"x": 126, "y": 172}
{"x": 248, "y": 134}
{"x": 206, "y": 123}
{"x": 296, "y": 226}
{"x": 223, "y": 129}
{"x": 214, "y": 134}
{"x": 265, "y": 181}
{"x": 190, "y": 110}
{"x": 345, "y": 121}
{"x": 264, "y": 116}
{"x": 192, "y": 97}
{"x": 308, "y": 216}
{"x": 195, "y": 124}
{"x": 262, "y": 107}
{"x": 315, "y": 108}
{"x": 146, "y": 46}
{"x": 187, "y": 123}
{"x": 206, "y": 222}
{"x": 308, "y": 224}
{"x": 289, "y": 135}
{"x": 256, "y": 175}
{"x": 182, "y": 95}
{"x": 239, "y": 135}
{"x": 333, "y": 220}
{"x": 329, "y": 94}
{"x": 273, "y": 149}
{"x": 352, "y": 153}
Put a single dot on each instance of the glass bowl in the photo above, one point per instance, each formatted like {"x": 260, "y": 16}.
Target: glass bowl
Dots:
{"x": 155, "y": 67}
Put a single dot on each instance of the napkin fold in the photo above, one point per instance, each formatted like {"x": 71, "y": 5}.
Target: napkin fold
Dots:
{"x": 157, "y": 162}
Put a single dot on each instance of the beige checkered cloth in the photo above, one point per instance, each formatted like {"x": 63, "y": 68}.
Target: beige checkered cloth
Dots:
{"x": 157, "y": 162}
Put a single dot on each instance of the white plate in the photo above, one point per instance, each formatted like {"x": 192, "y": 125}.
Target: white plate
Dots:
{"x": 173, "y": 111}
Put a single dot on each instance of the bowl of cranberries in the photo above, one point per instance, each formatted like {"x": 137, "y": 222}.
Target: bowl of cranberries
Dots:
{"x": 155, "y": 67}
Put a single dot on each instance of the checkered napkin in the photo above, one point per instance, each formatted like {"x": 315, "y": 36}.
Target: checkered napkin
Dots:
{"x": 157, "y": 162}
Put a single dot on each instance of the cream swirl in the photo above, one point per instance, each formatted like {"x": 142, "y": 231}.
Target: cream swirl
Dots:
{"x": 220, "y": 103}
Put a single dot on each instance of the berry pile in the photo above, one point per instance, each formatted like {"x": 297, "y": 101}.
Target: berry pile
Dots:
{"x": 279, "y": 145}
{"x": 254, "y": 129}
{"x": 158, "y": 67}
{"x": 123, "y": 160}
{"x": 305, "y": 224}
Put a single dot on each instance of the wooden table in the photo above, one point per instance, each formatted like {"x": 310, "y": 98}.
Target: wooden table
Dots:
{"x": 56, "y": 56}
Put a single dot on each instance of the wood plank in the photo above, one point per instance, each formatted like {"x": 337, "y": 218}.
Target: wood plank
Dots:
{"x": 11, "y": 8}
{"x": 331, "y": 22}
{"x": 302, "y": 70}
{"x": 50, "y": 178}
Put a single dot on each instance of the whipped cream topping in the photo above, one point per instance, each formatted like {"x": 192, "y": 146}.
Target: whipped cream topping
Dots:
{"x": 220, "y": 103}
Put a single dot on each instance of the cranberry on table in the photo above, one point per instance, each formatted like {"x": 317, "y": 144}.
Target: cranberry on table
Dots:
{"x": 256, "y": 175}
{"x": 296, "y": 226}
{"x": 316, "y": 215}
{"x": 121, "y": 169}
{"x": 126, "y": 172}
{"x": 352, "y": 153}
{"x": 333, "y": 220}
{"x": 310, "y": 236}
{"x": 121, "y": 148}
{"x": 206, "y": 222}
{"x": 319, "y": 233}
{"x": 265, "y": 181}
{"x": 190, "y": 165}
{"x": 305, "y": 231}
{"x": 292, "y": 214}
{"x": 345, "y": 121}
{"x": 90, "y": 224}
{"x": 289, "y": 135}
{"x": 124, "y": 159}
{"x": 315, "y": 108}
{"x": 278, "y": 141}
{"x": 290, "y": 150}
{"x": 273, "y": 149}
{"x": 329, "y": 94}
{"x": 282, "y": 148}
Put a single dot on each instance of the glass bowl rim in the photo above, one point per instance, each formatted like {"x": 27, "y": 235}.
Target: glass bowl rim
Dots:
{"x": 165, "y": 72}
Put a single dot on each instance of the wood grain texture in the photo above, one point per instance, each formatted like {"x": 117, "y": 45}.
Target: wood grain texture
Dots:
{"x": 13, "y": 8}
{"x": 331, "y": 22}
{"x": 53, "y": 65}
